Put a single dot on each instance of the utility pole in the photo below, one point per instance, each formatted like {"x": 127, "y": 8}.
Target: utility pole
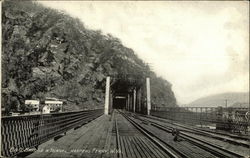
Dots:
{"x": 148, "y": 95}
{"x": 226, "y": 103}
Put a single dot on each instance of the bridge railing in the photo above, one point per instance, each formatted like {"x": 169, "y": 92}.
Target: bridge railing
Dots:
{"x": 24, "y": 133}
{"x": 231, "y": 119}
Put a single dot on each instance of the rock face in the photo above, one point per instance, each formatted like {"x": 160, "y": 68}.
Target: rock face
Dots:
{"x": 49, "y": 54}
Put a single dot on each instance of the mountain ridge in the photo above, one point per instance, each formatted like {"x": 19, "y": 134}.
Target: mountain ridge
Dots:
{"x": 221, "y": 99}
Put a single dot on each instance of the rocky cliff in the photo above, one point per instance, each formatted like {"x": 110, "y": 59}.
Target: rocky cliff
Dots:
{"x": 47, "y": 53}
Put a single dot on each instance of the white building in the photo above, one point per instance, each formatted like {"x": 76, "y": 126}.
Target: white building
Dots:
{"x": 53, "y": 105}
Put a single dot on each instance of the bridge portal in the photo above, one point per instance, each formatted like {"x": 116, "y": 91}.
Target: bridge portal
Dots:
{"x": 129, "y": 93}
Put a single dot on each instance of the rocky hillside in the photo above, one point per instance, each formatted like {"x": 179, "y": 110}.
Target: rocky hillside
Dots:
{"x": 47, "y": 53}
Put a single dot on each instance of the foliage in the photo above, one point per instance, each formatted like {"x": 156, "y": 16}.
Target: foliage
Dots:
{"x": 47, "y": 53}
{"x": 25, "y": 108}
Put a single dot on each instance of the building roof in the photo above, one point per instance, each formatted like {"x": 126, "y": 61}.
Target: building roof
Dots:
{"x": 53, "y": 102}
{"x": 51, "y": 98}
{"x": 31, "y": 101}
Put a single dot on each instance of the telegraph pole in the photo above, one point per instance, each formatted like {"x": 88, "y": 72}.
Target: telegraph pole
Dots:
{"x": 148, "y": 95}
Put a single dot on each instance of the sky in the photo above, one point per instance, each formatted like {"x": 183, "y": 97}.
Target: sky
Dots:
{"x": 200, "y": 47}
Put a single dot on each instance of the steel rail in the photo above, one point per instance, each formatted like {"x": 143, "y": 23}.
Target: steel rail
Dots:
{"x": 201, "y": 130}
{"x": 155, "y": 140}
{"x": 206, "y": 133}
{"x": 117, "y": 139}
{"x": 200, "y": 143}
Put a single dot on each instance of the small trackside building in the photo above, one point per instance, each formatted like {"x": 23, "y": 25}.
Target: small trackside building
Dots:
{"x": 52, "y": 106}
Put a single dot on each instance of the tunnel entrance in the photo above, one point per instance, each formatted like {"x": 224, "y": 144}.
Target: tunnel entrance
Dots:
{"x": 121, "y": 89}
{"x": 128, "y": 92}
{"x": 119, "y": 102}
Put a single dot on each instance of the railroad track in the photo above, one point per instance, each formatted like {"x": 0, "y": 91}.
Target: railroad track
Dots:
{"x": 182, "y": 150}
{"x": 215, "y": 150}
{"x": 117, "y": 139}
{"x": 233, "y": 139}
{"x": 140, "y": 144}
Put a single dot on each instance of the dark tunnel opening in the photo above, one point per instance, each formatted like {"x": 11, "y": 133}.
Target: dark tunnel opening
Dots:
{"x": 119, "y": 102}
{"x": 123, "y": 93}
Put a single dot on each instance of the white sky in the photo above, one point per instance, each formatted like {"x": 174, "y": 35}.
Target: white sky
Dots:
{"x": 202, "y": 48}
